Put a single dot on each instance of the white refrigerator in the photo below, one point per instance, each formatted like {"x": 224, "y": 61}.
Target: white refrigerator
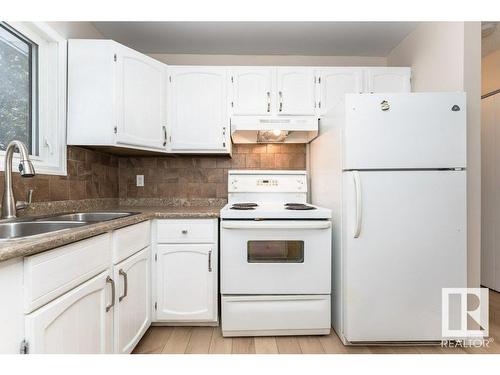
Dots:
{"x": 392, "y": 167}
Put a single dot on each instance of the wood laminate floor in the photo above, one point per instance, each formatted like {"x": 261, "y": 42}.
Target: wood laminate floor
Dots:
{"x": 209, "y": 340}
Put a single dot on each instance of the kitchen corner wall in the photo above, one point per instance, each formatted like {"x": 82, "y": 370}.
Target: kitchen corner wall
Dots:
{"x": 186, "y": 177}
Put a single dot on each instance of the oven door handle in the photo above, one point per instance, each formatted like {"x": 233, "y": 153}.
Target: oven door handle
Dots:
{"x": 276, "y": 225}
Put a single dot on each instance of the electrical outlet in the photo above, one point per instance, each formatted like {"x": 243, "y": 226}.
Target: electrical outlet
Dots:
{"x": 139, "y": 180}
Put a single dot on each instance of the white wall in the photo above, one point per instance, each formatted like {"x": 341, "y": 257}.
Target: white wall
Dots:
{"x": 472, "y": 86}
{"x": 446, "y": 56}
{"x": 435, "y": 53}
{"x": 180, "y": 59}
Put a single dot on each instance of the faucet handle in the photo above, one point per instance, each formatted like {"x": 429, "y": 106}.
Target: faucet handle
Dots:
{"x": 21, "y": 205}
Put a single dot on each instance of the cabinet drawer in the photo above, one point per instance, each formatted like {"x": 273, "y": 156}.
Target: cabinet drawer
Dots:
{"x": 50, "y": 274}
{"x": 187, "y": 231}
{"x": 275, "y": 315}
{"x": 131, "y": 239}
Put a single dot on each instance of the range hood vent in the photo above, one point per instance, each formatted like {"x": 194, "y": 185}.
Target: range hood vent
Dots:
{"x": 292, "y": 129}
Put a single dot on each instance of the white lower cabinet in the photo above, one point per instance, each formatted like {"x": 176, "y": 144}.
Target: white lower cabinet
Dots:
{"x": 186, "y": 271}
{"x": 186, "y": 284}
{"x": 81, "y": 300}
{"x": 96, "y": 295}
{"x": 132, "y": 310}
{"x": 80, "y": 321}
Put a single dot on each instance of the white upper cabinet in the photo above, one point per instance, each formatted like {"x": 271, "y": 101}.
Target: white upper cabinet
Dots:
{"x": 198, "y": 118}
{"x": 295, "y": 91}
{"x": 381, "y": 80}
{"x": 141, "y": 99}
{"x": 116, "y": 96}
{"x": 334, "y": 83}
{"x": 251, "y": 90}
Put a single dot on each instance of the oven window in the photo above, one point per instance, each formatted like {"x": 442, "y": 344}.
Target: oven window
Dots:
{"x": 275, "y": 251}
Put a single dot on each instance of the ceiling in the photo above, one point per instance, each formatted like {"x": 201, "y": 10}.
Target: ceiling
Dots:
{"x": 260, "y": 38}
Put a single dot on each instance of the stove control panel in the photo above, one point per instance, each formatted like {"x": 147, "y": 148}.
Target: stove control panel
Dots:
{"x": 267, "y": 181}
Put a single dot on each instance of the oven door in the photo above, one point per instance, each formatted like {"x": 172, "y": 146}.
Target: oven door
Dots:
{"x": 275, "y": 257}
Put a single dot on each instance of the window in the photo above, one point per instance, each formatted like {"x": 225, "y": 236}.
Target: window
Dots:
{"x": 33, "y": 93}
{"x": 272, "y": 251}
{"x": 19, "y": 89}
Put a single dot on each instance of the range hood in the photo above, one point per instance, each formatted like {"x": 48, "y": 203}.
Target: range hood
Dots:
{"x": 282, "y": 129}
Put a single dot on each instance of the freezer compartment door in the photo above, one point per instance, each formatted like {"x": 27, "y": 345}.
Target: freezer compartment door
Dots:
{"x": 404, "y": 239}
{"x": 405, "y": 131}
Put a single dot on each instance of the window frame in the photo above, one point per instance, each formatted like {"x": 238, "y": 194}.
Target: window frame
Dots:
{"x": 51, "y": 101}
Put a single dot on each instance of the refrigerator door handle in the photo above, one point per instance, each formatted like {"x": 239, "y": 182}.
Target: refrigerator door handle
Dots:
{"x": 359, "y": 203}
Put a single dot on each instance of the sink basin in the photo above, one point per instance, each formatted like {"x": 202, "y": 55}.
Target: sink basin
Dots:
{"x": 23, "y": 229}
{"x": 89, "y": 217}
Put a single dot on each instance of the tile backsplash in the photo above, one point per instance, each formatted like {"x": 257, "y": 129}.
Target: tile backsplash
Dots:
{"x": 191, "y": 177}
{"x": 93, "y": 174}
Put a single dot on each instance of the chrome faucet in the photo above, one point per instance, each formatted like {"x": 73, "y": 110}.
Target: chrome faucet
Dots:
{"x": 26, "y": 169}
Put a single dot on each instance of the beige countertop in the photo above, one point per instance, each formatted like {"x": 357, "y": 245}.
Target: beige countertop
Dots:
{"x": 37, "y": 244}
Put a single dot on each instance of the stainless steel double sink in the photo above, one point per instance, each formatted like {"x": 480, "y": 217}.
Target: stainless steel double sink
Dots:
{"x": 29, "y": 227}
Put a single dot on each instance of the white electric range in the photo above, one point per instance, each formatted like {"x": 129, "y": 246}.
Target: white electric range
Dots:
{"x": 275, "y": 256}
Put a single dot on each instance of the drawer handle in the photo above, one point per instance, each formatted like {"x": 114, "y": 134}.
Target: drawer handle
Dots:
{"x": 184, "y": 231}
{"x": 125, "y": 285}
{"x": 112, "y": 282}
{"x": 210, "y": 261}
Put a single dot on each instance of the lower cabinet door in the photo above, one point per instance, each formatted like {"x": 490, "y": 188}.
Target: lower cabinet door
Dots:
{"x": 132, "y": 315}
{"x": 186, "y": 283}
{"x": 75, "y": 323}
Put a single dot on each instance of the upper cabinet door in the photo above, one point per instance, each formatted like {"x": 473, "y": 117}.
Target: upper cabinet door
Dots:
{"x": 334, "y": 83}
{"x": 382, "y": 80}
{"x": 198, "y": 109}
{"x": 141, "y": 99}
{"x": 251, "y": 90}
{"x": 295, "y": 91}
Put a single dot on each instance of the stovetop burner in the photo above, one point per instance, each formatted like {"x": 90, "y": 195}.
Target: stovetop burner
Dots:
{"x": 244, "y": 206}
{"x": 298, "y": 206}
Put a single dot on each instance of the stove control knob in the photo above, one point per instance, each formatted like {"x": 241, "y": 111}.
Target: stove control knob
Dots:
{"x": 184, "y": 231}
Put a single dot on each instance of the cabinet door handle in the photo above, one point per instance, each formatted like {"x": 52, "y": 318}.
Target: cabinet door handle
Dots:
{"x": 268, "y": 101}
{"x": 210, "y": 261}
{"x": 281, "y": 101}
{"x": 112, "y": 282}
{"x": 223, "y": 136}
{"x": 125, "y": 285}
{"x": 164, "y": 135}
